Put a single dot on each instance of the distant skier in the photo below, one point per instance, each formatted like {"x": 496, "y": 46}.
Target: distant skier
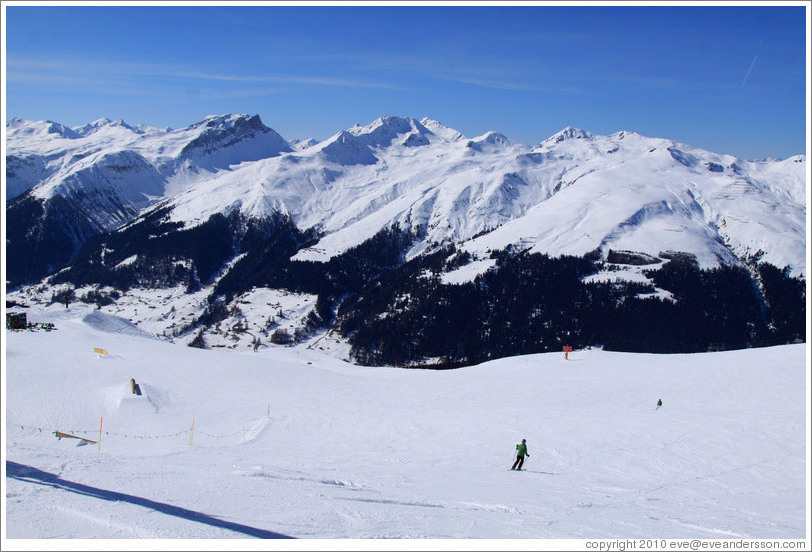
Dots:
{"x": 659, "y": 404}
{"x": 521, "y": 452}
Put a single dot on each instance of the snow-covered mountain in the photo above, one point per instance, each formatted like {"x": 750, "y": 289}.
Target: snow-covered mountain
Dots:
{"x": 573, "y": 193}
{"x": 67, "y": 184}
{"x": 58, "y": 151}
{"x": 413, "y": 187}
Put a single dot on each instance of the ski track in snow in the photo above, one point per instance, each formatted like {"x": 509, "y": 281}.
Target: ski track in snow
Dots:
{"x": 293, "y": 443}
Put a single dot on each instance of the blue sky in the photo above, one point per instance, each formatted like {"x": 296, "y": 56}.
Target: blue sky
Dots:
{"x": 731, "y": 79}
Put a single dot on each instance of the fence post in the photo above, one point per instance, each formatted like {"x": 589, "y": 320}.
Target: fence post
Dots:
{"x": 101, "y": 421}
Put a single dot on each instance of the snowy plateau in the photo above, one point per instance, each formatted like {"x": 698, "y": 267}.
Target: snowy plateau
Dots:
{"x": 294, "y": 443}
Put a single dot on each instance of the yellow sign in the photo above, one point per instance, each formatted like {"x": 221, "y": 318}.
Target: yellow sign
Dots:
{"x": 100, "y": 351}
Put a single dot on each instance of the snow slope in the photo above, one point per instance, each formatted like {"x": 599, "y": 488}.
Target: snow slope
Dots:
{"x": 290, "y": 442}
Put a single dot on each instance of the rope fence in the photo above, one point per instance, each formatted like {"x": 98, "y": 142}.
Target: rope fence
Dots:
{"x": 91, "y": 435}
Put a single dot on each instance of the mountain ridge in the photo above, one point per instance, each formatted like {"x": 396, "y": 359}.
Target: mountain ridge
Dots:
{"x": 368, "y": 171}
{"x": 388, "y": 229}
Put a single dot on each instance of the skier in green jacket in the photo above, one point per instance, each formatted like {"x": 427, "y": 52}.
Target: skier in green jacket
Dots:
{"x": 521, "y": 452}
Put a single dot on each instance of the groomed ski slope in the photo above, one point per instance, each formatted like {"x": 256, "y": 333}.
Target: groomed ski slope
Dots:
{"x": 287, "y": 442}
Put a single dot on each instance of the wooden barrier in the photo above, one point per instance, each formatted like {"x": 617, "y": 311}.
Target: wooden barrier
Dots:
{"x": 60, "y": 435}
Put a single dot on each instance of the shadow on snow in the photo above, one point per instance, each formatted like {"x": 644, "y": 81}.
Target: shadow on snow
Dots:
{"x": 30, "y": 474}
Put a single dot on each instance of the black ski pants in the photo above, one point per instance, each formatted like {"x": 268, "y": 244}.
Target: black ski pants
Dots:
{"x": 517, "y": 465}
